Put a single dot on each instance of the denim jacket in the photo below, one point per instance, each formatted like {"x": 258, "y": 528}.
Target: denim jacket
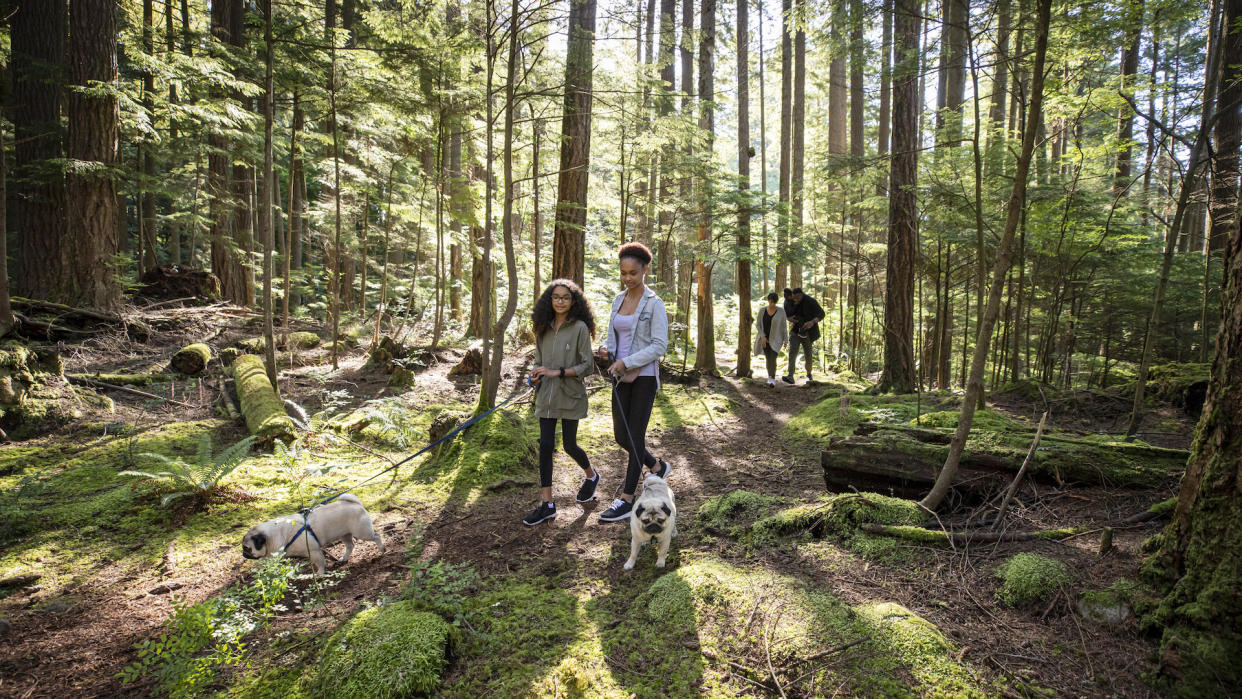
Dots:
{"x": 650, "y": 332}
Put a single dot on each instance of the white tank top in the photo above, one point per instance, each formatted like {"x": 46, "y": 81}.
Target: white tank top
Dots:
{"x": 624, "y": 325}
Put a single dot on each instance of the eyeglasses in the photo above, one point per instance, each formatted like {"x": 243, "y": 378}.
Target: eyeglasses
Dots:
{"x": 558, "y": 297}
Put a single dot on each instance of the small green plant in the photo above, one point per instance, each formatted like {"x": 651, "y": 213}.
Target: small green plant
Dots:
{"x": 392, "y": 421}
{"x": 200, "y": 638}
{"x": 1029, "y": 578}
{"x": 443, "y": 588}
{"x": 200, "y": 479}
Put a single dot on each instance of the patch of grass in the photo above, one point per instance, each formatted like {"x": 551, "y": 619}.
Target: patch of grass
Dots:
{"x": 500, "y": 445}
{"x": 1029, "y": 578}
{"x": 983, "y": 420}
{"x": 920, "y": 648}
{"x": 388, "y": 651}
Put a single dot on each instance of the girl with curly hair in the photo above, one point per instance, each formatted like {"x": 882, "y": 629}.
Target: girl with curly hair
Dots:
{"x": 564, "y": 326}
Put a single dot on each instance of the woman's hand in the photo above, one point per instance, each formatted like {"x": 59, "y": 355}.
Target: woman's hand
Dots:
{"x": 765, "y": 342}
{"x": 618, "y": 368}
{"x": 537, "y": 374}
{"x": 602, "y": 353}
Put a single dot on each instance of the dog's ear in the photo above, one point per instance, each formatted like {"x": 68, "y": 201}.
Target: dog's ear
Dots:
{"x": 664, "y": 507}
{"x": 639, "y": 511}
{"x": 258, "y": 541}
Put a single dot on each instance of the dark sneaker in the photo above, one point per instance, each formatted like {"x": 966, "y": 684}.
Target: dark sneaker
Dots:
{"x": 587, "y": 492}
{"x": 810, "y": 379}
{"x": 787, "y": 379}
{"x": 620, "y": 510}
{"x": 663, "y": 468}
{"x": 543, "y": 513}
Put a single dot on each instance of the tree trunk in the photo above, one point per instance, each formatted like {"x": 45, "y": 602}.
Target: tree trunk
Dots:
{"x": 974, "y": 386}
{"x": 782, "y": 206}
{"x": 569, "y": 233}
{"x": 705, "y": 357}
{"x": 226, "y": 256}
{"x": 899, "y": 374}
{"x": 797, "y": 139}
{"x": 1129, "y": 73}
{"x": 91, "y": 278}
{"x": 6, "y": 309}
{"x": 146, "y": 205}
{"x": 742, "y": 271}
{"x": 38, "y": 71}
{"x": 1198, "y": 561}
{"x": 267, "y": 201}
{"x": 1223, "y": 198}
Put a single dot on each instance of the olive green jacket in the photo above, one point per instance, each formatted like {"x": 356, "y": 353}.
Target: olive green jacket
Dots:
{"x": 568, "y": 348}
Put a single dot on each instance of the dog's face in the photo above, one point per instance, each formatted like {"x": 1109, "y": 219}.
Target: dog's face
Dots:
{"x": 259, "y": 542}
{"x": 653, "y": 518}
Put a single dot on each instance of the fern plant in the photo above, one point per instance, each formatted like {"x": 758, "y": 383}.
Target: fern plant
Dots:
{"x": 200, "y": 479}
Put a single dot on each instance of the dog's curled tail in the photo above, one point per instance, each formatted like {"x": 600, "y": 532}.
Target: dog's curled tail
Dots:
{"x": 350, "y": 497}
{"x": 297, "y": 414}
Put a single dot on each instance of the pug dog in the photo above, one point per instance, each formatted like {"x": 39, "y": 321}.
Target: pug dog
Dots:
{"x": 343, "y": 519}
{"x": 654, "y": 517}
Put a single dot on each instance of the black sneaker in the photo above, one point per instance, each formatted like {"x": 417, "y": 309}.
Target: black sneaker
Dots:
{"x": 620, "y": 510}
{"x": 787, "y": 379}
{"x": 663, "y": 468}
{"x": 587, "y": 492}
{"x": 544, "y": 512}
{"x": 810, "y": 379}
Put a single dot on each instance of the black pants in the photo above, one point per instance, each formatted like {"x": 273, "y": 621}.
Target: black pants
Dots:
{"x": 806, "y": 342}
{"x": 770, "y": 355}
{"x": 634, "y": 401}
{"x": 547, "y": 445}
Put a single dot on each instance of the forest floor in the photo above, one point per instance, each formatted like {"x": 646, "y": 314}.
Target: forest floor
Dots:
{"x": 548, "y": 610}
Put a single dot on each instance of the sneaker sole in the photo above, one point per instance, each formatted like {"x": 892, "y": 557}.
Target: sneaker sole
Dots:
{"x": 541, "y": 521}
{"x": 593, "y": 498}
{"x": 616, "y": 519}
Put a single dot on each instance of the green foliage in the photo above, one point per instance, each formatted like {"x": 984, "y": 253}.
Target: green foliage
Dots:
{"x": 202, "y": 638}
{"x": 838, "y": 516}
{"x": 199, "y": 479}
{"x": 388, "y": 651}
{"x": 442, "y": 588}
{"x": 1029, "y": 578}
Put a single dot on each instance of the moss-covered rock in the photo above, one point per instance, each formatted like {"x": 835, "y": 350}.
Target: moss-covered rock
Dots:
{"x": 263, "y": 410}
{"x": 1111, "y": 605}
{"x": 385, "y": 652}
{"x": 921, "y": 647}
{"x": 733, "y": 512}
{"x": 838, "y": 516}
{"x": 252, "y": 345}
{"x": 1029, "y": 578}
{"x": 191, "y": 359}
{"x": 302, "y": 340}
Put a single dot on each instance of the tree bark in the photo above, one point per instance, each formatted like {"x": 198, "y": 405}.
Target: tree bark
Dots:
{"x": 782, "y": 206}
{"x": 705, "y": 356}
{"x": 899, "y": 374}
{"x": 91, "y": 278}
{"x": 38, "y": 71}
{"x": 569, "y": 233}
{"x": 1129, "y": 73}
{"x": 226, "y": 256}
{"x": 974, "y": 386}
{"x": 742, "y": 270}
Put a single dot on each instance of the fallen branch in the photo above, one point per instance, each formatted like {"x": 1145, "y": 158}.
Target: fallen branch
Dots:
{"x": 941, "y": 537}
{"x": 124, "y": 389}
{"x": 830, "y": 651}
{"x": 64, "y": 310}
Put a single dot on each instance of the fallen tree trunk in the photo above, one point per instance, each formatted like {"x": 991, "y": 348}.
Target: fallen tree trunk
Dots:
{"x": 905, "y": 461}
{"x": 939, "y": 536}
{"x": 191, "y": 359}
{"x": 264, "y": 411}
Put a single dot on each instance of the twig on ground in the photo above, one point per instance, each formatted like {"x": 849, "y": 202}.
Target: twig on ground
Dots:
{"x": 767, "y": 651}
{"x": 830, "y": 651}
{"x": 124, "y": 389}
{"x": 1030, "y": 454}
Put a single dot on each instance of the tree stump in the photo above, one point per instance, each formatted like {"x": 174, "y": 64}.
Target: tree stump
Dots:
{"x": 175, "y": 282}
{"x": 191, "y": 359}
{"x": 471, "y": 363}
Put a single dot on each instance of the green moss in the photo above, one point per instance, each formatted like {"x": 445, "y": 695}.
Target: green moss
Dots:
{"x": 1029, "y": 578}
{"x": 921, "y": 648}
{"x": 264, "y": 411}
{"x": 838, "y": 517}
{"x": 500, "y": 445}
{"x": 1164, "y": 507}
{"x": 252, "y": 345}
{"x": 732, "y": 512}
{"x": 820, "y": 421}
{"x": 1027, "y": 390}
{"x": 983, "y": 420}
{"x": 302, "y": 340}
{"x": 389, "y": 651}
{"x": 228, "y": 355}
{"x": 127, "y": 379}
{"x": 191, "y": 359}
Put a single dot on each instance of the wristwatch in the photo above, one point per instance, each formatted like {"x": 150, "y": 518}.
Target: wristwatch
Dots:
{"x": 562, "y": 372}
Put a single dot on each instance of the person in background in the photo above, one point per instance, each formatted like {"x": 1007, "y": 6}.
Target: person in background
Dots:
{"x": 563, "y": 325}
{"x": 804, "y": 331}
{"x": 770, "y": 334}
{"x": 637, "y": 338}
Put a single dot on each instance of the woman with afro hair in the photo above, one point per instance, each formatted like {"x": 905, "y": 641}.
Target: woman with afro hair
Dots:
{"x": 563, "y": 325}
{"x": 637, "y": 338}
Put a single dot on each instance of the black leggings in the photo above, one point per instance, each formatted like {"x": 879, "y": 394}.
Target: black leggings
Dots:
{"x": 634, "y": 400}
{"x": 547, "y": 445}
{"x": 770, "y": 355}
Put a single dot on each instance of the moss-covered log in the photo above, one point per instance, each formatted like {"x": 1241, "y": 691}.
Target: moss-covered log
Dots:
{"x": 264, "y": 411}
{"x": 191, "y": 359}
{"x": 939, "y": 536}
{"x": 906, "y": 461}
{"x": 125, "y": 379}
{"x": 301, "y": 340}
